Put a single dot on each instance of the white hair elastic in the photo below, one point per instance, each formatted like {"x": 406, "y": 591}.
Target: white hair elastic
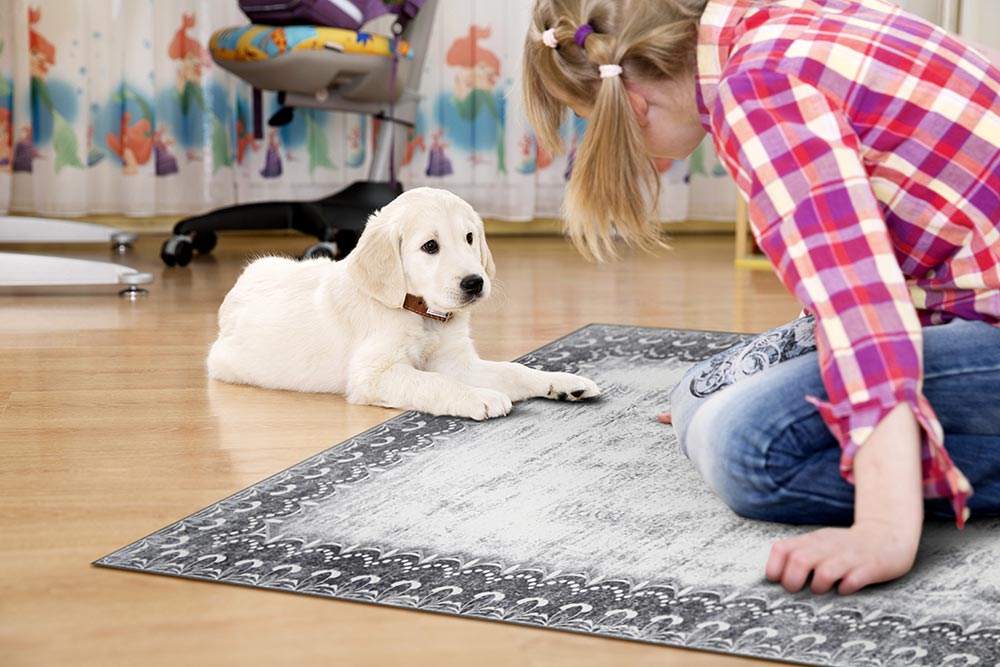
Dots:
{"x": 549, "y": 38}
{"x": 608, "y": 71}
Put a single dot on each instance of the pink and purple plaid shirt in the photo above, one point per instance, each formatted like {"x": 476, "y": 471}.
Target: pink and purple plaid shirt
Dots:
{"x": 867, "y": 142}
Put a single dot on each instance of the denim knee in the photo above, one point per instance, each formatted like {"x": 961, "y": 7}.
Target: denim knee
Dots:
{"x": 766, "y": 452}
{"x": 719, "y": 441}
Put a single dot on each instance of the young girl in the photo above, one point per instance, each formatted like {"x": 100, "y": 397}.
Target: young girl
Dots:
{"x": 867, "y": 143}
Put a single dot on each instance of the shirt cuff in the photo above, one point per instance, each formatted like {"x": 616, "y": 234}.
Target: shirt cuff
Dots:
{"x": 852, "y": 425}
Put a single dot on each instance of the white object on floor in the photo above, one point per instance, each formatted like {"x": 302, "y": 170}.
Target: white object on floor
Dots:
{"x": 22, "y": 270}
{"x": 27, "y": 270}
{"x": 19, "y": 229}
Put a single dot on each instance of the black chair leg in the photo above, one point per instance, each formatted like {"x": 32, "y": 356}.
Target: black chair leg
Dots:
{"x": 336, "y": 220}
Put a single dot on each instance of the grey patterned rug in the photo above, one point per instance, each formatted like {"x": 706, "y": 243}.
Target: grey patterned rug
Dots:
{"x": 575, "y": 516}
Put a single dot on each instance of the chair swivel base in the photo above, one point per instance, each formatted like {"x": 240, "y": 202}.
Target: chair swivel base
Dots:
{"x": 337, "y": 221}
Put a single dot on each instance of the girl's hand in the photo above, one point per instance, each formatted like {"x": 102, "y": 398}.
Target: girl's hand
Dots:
{"x": 866, "y": 553}
{"x": 888, "y": 518}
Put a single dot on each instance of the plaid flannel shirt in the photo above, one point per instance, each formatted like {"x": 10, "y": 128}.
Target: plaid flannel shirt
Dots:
{"x": 867, "y": 143}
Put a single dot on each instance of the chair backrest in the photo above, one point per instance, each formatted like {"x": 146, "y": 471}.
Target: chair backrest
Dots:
{"x": 349, "y": 14}
{"x": 376, "y": 86}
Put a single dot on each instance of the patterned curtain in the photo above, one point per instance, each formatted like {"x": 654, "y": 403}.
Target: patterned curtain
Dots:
{"x": 115, "y": 107}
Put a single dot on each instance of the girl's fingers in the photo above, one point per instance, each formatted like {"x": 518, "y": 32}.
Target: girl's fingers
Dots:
{"x": 856, "y": 579}
{"x": 780, "y": 551}
{"x": 665, "y": 418}
{"x": 776, "y": 561}
{"x": 798, "y": 565}
{"x": 827, "y": 573}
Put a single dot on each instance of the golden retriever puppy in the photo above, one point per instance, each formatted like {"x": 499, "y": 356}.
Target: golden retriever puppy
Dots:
{"x": 388, "y": 325}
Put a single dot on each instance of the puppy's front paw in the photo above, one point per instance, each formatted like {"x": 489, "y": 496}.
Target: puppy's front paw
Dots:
{"x": 569, "y": 387}
{"x": 482, "y": 404}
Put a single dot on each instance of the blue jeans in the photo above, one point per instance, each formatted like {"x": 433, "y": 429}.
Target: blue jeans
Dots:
{"x": 742, "y": 418}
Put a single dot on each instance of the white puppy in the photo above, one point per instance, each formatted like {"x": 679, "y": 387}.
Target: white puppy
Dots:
{"x": 341, "y": 327}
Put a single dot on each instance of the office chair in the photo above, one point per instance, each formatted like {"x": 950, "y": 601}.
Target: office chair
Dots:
{"x": 331, "y": 71}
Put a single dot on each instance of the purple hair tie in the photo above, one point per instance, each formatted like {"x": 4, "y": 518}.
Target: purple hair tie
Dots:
{"x": 581, "y": 34}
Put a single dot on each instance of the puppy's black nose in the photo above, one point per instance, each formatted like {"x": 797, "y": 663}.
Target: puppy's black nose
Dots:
{"x": 472, "y": 284}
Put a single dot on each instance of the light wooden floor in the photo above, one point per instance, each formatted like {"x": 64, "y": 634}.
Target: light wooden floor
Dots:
{"x": 110, "y": 430}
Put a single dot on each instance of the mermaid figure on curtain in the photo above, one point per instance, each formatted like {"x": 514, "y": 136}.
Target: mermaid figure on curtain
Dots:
{"x": 533, "y": 157}
{"x": 475, "y": 83}
{"x": 244, "y": 132}
{"x": 191, "y": 57}
{"x": 414, "y": 143}
{"x": 134, "y": 142}
{"x": 25, "y": 151}
{"x": 166, "y": 163}
{"x": 244, "y": 140}
{"x": 43, "y": 56}
{"x": 438, "y": 164}
{"x": 272, "y": 159}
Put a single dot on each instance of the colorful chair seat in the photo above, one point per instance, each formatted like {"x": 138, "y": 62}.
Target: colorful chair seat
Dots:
{"x": 307, "y": 59}
{"x": 261, "y": 42}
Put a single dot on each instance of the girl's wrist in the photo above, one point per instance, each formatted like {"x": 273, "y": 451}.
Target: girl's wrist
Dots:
{"x": 887, "y": 473}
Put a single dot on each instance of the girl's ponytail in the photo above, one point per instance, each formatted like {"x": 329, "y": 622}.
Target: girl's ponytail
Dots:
{"x": 614, "y": 179}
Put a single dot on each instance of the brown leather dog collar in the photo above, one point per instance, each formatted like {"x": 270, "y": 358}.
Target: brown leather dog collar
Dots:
{"x": 416, "y": 304}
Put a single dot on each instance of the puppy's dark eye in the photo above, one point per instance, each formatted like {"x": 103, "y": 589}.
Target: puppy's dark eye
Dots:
{"x": 431, "y": 247}
{"x": 468, "y": 238}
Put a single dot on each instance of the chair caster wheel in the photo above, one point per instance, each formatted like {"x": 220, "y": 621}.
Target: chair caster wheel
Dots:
{"x": 204, "y": 241}
{"x": 177, "y": 251}
{"x": 323, "y": 249}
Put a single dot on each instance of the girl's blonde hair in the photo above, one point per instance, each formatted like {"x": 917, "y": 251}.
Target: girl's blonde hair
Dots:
{"x": 614, "y": 178}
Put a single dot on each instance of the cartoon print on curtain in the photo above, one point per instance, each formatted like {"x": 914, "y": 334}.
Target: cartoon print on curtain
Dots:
{"x": 307, "y": 131}
{"x": 192, "y": 59}
{"x": 139, "y": 128}
{"x": 414, "y": 144}
{"x": 475, "y": 115}
{"x": 357, "y": 139}
{"x": 533, "y": 157}
{"x": 133, "y": 142}
{"x": 244, "y": 130}
{"x": 53, "y": 106}
{"x": 315, "y": 140}
{"x": 116, "y": 107}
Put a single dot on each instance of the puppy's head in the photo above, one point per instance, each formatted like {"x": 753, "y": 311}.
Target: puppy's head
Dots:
{"x": 427, "y": 242}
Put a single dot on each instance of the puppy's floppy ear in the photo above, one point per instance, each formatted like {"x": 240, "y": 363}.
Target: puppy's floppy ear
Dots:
{"x": 484, "y": 253}
{"x": 375, "y": 264}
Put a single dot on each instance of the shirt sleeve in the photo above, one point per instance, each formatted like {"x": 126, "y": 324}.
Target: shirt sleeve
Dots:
{"x": 815, "y": 215}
